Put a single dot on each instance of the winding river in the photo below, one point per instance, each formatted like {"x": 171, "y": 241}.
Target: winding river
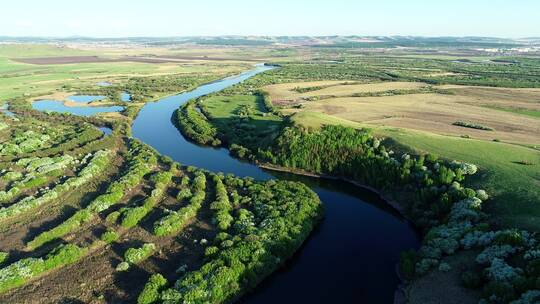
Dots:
{"x": 350, "y": 258}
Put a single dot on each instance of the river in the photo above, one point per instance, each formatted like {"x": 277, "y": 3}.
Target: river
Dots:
{"x": 351, "y": 256}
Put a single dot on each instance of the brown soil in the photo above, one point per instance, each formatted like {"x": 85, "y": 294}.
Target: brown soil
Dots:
{"x": 434, "y": 113}
{"x": 427, "y": 289}
{"x": 94, "y": 278}
{"x": 15, "y": 233}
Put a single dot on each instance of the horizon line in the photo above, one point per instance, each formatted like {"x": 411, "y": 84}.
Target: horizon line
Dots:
{"x": 270, "y": 36}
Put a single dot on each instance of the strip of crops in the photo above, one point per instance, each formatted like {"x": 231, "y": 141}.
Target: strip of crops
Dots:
{"x": 99, "y": 162}
{"x": 140, "y": 162}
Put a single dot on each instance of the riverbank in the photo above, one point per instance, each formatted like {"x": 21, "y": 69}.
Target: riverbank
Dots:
{"x": 384, "y": 196}
{"x": 400, "y": 296}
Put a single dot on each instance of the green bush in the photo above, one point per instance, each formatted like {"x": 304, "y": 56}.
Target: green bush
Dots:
{"x": 177, "y": 220}
{"x": 407, "y": 263}
{"x": 290, "y": 211}
{"x": 471, "y": 125}
{"x": 141, "y": 159}
{"x": 123, "y": 266}
{"x": 3, "y": 257}
{"x": 152, "y": 289}
{"x": 137, "y": 255}
{"x": 109, "y": 236}
{"x": 221, "y": 205}
{"x": 18, "y": 273}
{"x": 195, "y": 126}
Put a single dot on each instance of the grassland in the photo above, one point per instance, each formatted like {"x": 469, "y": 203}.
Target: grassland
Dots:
{"x": 19, "y": 79}
{"x": 289, "y": 91}
{"x": 243, "y": 118}
{"x": 514, "y": 186}
{"x": 429, "y": 111}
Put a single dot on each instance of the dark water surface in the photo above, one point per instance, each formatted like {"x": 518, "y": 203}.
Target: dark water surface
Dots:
{"x": 350, "y": 258}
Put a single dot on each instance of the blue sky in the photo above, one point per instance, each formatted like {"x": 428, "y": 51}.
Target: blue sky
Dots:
{"x": 115, "y": 18}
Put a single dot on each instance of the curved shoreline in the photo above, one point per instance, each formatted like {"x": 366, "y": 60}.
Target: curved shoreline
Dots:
{"x": 400, "y": 295}
{"x": 384, "y": 197}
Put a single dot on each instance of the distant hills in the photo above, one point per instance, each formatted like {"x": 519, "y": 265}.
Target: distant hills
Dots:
{"x": 315, "y": 41}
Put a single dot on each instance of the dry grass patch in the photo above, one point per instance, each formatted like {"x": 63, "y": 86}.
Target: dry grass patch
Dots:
{"x": 288, "y": 91}
{"x": 434, "y": 113}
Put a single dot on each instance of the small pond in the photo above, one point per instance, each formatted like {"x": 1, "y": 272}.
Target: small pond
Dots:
{"x": 125, "y": 96}
{"x": 85, "y": 98}
{"x": 106, "y": 130}
{"x": 58, "y": 106}
{"x": 4, "y": 109}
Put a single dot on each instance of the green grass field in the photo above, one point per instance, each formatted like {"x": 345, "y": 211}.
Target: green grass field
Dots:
{"x": 20, "y": 79}
{"x": 526, "y": 112}
{"x": 257, "y": 127}
{"x": 515, "y": 188}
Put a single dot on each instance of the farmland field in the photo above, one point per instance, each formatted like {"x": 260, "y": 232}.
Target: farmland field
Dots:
{"x": 433, "y": 112}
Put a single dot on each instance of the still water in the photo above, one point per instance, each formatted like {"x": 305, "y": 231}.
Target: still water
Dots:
{"x": 58, "y": 106}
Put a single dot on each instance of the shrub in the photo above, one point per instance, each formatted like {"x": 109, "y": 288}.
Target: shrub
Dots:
{"x": 221, "y": 205}
{"x": 123, "y": 266}
{"x": 529, "y": 297}
{"x": 113, "y": 217}
{"x": 140, "y": 160}
{"x": 152, "y": 289}
{"x": 137, "y": 255}
{"x": 109, "y": 236}
{"x": 210, "y": 251}
{"x": 471, "y": 125}
{"x": 503, "y": 292}
{"x": 288, "y": 212}
{"x": 407, "y": 263}
{"x": 183, "y": 194}
{"x": 18, "y": 273}
{"x": 444, "y": 267}
{"x": 72, "y": 223}
{"x": 495, "y": 251}
{"x": 99, "y": 161}
{"x": 481, "y": 194}
{"x": 195, "y": 126}
{"x": 3, "y": 257}
{"x": 500, "y": 271}
{"x": 132, "y": 216}
{"x": 177, "y": 220}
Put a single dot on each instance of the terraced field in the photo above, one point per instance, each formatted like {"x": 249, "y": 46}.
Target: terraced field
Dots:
{"x": 87, "y": 216}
